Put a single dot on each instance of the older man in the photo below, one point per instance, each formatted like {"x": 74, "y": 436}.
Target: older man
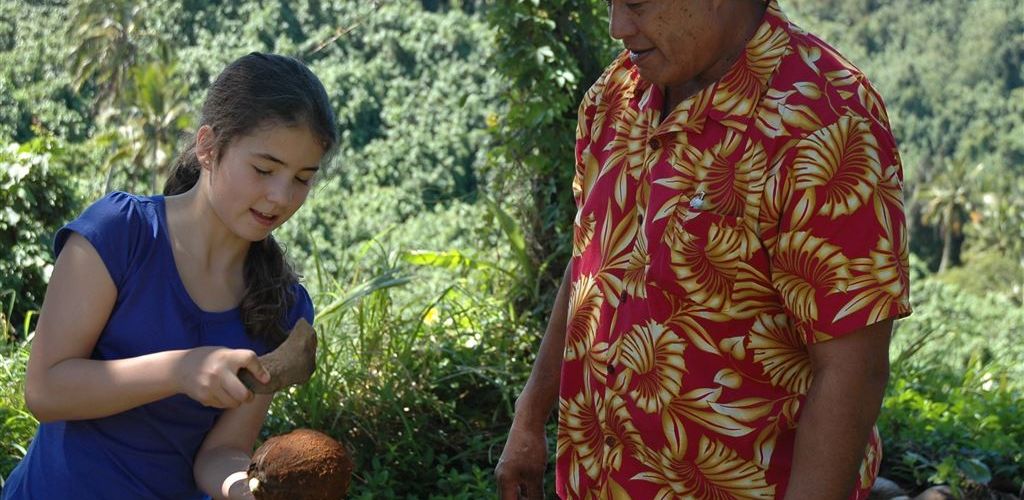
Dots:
{"x": 740, "y": 252}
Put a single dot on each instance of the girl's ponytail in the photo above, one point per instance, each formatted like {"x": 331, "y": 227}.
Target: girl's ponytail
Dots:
{"x": 269, "y": 293}
{"x": 184, "y": 173}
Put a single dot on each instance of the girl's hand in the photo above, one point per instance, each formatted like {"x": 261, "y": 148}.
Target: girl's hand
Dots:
{"x": 209, "y": 375}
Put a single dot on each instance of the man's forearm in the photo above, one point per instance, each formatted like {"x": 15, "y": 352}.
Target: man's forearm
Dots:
{"x": 535, "y": 403}
{"x": 834, "y": 429}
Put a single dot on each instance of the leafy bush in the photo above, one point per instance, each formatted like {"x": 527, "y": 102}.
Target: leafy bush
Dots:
{"x": 949, "y": 327}
{"x": 965, "y": 430}
{"x": 549, "y": 54}
{"x": 954, "y": 410}
{"x": 37, "y": 197}
{"x": 420, "y": 388}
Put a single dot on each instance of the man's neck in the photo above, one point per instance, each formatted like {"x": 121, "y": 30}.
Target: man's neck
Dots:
{"x": 748, "y": 18}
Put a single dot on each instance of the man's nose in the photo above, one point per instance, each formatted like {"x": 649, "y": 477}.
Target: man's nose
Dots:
{"x": 620, "y": 24}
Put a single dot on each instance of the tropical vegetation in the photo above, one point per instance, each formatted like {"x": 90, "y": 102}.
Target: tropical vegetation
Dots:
{"x": 433, "y": 245}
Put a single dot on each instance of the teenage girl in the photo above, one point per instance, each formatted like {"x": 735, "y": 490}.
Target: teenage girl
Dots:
{"x": 156, "y": 302}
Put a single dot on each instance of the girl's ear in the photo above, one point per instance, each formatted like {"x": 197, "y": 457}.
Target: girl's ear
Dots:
{"x": 206, "y": 141}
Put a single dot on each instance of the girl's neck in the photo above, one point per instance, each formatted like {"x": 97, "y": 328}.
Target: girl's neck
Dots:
{"x": 198, "y": 232}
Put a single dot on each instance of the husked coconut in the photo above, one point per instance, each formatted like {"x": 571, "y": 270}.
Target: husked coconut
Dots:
{"x": 301, "y": 465}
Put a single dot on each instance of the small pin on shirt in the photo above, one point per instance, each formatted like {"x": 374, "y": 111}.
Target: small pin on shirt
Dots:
{"x": 697, "y": 202}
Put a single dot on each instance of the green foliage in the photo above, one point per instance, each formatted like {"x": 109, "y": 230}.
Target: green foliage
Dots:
{"x": 963, "y": 429}
{"x": 549, "y": 54}
{"x": 17, "y": 425}
{"x": 954, "y": 409}
{"x": 37, "y": 196}
{"x": 154, "y": 118}
{"x": 989, "y": 272}
{"x": 110, "y": 36}
{"x": 949, "y": 327}
{"x": 420, "y": 390}
{"x": 35, "y": 85}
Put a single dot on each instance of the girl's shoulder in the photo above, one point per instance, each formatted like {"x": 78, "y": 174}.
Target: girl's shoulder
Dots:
{"x": 120, "y": 226}
{"x": 119, "y": 211}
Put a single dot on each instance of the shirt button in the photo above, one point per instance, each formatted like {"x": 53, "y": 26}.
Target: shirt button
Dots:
{"x": 611, "y": 370}
{"x": 655, "y": 144}
{"x": 622, "y": 296}
{"x": 609, "y": 441}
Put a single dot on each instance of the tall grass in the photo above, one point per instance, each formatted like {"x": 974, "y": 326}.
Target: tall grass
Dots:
{"x": 418, "y": 380}
{"x": 17, "y": 425}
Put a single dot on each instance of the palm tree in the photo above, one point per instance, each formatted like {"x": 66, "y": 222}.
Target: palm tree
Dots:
{"x": 157, "y": 115}
{"x": 948, "y": 200}
{"x": 108, "y": 34}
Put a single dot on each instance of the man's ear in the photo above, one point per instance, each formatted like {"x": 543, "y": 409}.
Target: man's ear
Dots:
{"x": 206, "y": 140}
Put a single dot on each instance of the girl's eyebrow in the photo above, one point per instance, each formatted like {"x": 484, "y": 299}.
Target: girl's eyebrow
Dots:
{"x": 270, "y": 157}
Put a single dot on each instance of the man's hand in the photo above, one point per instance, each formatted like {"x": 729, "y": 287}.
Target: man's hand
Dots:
{"x": 520, "y": 470}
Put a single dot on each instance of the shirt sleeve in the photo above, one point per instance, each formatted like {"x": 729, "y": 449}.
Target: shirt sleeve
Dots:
{"x": 590, "y": 122}
{"x": 841, "y": 259}
{"x": 110, "y": 225}
{"x": 302, "y": 308}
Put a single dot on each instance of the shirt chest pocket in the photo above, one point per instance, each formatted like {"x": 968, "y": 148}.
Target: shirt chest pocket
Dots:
{"x": 698, "y": 256}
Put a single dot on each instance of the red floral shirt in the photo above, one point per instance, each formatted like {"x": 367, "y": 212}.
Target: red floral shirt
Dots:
{"x": 711, "y": 247}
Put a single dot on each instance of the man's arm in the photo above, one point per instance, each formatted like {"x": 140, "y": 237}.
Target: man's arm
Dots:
{"x": 850, "y": 374}
{"x": 520, "y": 470}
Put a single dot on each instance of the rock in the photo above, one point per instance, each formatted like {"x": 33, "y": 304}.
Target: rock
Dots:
{"x": 937, "y": 493}
{"x": 884, "y": 489}
{"x": 301, "y": 465}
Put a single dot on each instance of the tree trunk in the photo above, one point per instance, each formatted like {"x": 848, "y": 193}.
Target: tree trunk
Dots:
{"x": 947, "y": 250}
{"x": 947, "y": 238}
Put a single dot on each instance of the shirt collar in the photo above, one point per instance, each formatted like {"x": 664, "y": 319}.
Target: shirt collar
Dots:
{"x": 733, "y": 99}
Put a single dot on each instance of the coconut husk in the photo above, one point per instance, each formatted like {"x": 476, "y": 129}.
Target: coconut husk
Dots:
{"x": 302, "y": 465}
{"x": 292, "y": 363}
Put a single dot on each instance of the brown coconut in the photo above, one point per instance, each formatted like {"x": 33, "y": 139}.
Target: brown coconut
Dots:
{"x": 301, "y": 465}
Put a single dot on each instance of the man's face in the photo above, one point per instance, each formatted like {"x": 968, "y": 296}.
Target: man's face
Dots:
{"x": 671, "y": 41}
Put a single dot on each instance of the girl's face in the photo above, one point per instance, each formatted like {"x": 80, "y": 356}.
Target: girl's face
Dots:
{"x": 262, "y": 178}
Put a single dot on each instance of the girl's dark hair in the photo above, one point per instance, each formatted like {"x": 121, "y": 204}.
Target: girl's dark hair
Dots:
{"x": 254, "y": 91}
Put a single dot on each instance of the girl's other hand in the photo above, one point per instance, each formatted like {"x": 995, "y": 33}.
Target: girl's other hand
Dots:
{"x": 209, "y": 375}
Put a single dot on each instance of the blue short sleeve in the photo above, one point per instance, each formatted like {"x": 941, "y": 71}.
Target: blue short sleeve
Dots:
{"x": 302, "y": 308}
{"x": 112, "y": 225}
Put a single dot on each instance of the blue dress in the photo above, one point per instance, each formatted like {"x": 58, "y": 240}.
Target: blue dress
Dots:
{"x": 148, "y": 451}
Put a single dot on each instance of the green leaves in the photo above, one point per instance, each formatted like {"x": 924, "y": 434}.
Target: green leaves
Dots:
{"x": 549, "y": 53}
{"x": 954, "y": 409}
{"x": 37, "y": 197}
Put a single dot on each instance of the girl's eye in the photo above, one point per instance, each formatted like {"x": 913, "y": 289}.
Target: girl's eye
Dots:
{"x": 260, "y": 171}
{"x": 306, "y": 182}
